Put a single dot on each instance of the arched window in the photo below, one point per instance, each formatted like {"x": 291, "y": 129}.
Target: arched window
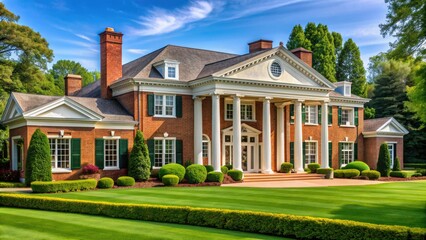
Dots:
{"x": 206, "y": 147}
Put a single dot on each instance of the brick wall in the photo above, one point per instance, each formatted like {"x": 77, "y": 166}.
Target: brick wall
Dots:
{"x": 372, "y": 149}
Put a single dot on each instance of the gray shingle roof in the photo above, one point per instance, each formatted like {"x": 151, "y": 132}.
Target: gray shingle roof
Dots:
{"x": 336, "y": 94}
{"x": 371, "y": 125}
{"x": 92, "y": 90}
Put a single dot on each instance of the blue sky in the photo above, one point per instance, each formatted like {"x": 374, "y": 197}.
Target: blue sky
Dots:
{"x": 72, "y": 26}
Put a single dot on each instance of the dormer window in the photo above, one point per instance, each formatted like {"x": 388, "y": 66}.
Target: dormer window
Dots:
{"x": 171, "y": 72}
{"x": 344, "y": 88}
{"x": 169, "y": 69}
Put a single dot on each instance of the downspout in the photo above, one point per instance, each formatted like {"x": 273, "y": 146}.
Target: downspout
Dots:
{"x": 139, "y": 106}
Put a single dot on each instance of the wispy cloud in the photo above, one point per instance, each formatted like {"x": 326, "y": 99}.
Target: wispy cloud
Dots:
{"x": 162, "y": 21}
{"x": 137, "y": 51}
{"x": 85, "y": 37}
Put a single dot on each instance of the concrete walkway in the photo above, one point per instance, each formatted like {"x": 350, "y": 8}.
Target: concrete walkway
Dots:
{"x": 17, "y": 190}
{"x": 305, "y": 183}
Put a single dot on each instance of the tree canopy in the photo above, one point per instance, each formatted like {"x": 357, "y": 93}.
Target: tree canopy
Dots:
{"x": 63, "y": 67}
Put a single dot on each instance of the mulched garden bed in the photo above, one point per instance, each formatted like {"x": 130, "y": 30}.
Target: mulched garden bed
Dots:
{"x": 395, "y": 179}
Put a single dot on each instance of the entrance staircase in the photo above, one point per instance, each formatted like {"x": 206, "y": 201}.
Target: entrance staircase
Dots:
{"x": 261, "y": 177}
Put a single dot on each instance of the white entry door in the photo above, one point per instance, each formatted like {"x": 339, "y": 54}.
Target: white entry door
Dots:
{"x": 248, "y": 158}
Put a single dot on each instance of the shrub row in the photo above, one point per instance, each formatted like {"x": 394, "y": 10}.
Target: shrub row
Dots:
{"x": 346, "y": 173}
{"x": 324, "y": 170}
{"x": 63, "y": 186}
{"x": 399, "y": 174}
{"x": 415, "y": 165}
{"x": 14, "y": 184}
{"x": 421, "y": 171}
{"x": 371, "y": 174}
{"x": 265, "y": 223}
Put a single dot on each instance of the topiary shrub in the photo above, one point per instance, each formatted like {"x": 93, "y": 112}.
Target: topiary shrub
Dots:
{"x": 172, "y": 168}
{"x": 307, "y": 170}
{"x": 339, "y": 173}
{"x": 384, "y": 162}
{"x": 229, "y": 166}
{"x": 139, "y": 162}
{"x": 421, "y": 171}
{"x": 209, "y": 168}
{"x": 324, "y": 170}
{"x": 125, "y": 181}
{"x": 351, "y": 173}
{"x": 236, "y": 175}
{"x": 63, "y": 186}
{"x": 399, "y": 174}
{"x": 38, "y": 166}
{"x": 224, "y": 170}
{"x": 359, "y": 165}
{"x": 396, "y": 165}
{"x": 170, "y": 180}
{"x": 286, "y": 167}
{"x": 215, "y": 177}
{"x": 371, "y": 174}
{"x": 196, "y": 173}
{"x": 313, "y": 167}
{"x": 105, "y": 182}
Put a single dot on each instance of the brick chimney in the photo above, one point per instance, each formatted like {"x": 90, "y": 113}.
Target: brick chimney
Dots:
{"x": 260, "y": 45}
{"x": 72, "y": 84}
{"x": 304, "y": 54}
{"x": 111, "y": 61}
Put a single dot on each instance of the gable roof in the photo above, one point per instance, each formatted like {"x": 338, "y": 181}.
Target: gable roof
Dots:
{"x": 387, "y": 126}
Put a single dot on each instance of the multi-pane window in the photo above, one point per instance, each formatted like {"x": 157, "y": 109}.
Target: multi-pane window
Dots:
{"x": 391, "y": 148}
{"x": 164, "y": 105}
{"x": 205, "y": 147}
{"x": 164, "y": 152}
{"x": 171, "y": 72}
{"x": 347, "y": 153}
{"x": 310, "y": 152}
{"x": 276, "y": 69}
{"x": 347, "y": 117}
{"x": 111, "y": 153}
{"x": 246, "y": 110}
{"x": 311, "y": 114}
{"x": 60, "y": 152}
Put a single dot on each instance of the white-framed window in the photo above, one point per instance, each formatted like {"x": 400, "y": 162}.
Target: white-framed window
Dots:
{"x": 206, "y": 147}
{"x": 247, "y": 110}
{"x": 347, "y": 117}
{"x": 275, "y": 69}
{"x": 111, "y": 156}
{"x": 391, "y": 148}
{"x": 164, "y": 105}
{"x": 347, "y": 153}
{"x": 60, "y": 153}
{"x": 164, "y": 151}
{"x": 311, "y": 114}
{"x": 171, "y": 72}
{"x": 310, "y": 152}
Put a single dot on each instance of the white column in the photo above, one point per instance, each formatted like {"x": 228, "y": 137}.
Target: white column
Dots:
{"x": 324, "y": 135}
{"x": 267, "y": 136}
{"x": 237, "y": 133}
{"x": 216, "y": 132}
{"x": 280, "y": 136}
{"x": 198, "y": 130}
{"x": 298, "y": 151}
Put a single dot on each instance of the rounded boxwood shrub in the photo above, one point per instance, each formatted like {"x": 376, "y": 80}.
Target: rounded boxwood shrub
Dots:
{"x": 170, "y": 180}
{"x": 359, "y": 165}
{"x": 399, "y": 174}
{"x": 339, "y": 173}
{"x": 209, "y": 168}
{"x": 196, "y": 173}
{"x": 236, "y": 175}
{"x": 224, "y": 170}
{"x": 286, "y": 167}
{"x": 351, "y": 173}
{"x": 371, "y": 174}
{"x": 125, "y": 181}
{"x": 416, "y": 175}
{"x": 313, "y": 167}
{"x": 172, "y": 168}
{"x": 421, "y": 171}
{"x": 324, "y": 170}
{"x": 105, "y": 182}
{"x": 215, "y": 177}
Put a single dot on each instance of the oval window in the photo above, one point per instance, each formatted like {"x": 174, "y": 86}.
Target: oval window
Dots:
{"x": 276, "y": 69}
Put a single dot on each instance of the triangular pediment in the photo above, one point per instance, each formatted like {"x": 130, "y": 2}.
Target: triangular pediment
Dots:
{"x": 392, "y": 126}
{"x": 244, "y": 129}
{"x": 12, "y": 109}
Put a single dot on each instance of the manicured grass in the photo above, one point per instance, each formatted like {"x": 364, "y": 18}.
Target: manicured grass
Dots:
{"x": 398, "y": 203}
{"x": 18, "y": 223}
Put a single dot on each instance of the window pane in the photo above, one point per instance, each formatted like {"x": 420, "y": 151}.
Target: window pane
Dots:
{"x": 172, "y": 72}
{"x": 60, "y": 153}
{"x": 229, "y": 110}
{"x": 310, "y": 152}
{"x": 158, "y": 104}
{"x": 111, "y": 154}
{"x": 158, "y": 153}
{"x": 347, "y": 153}
{"x": 52, "y": 143}
{"x": 169, "y": 151}
{"x": 205, "y": 149}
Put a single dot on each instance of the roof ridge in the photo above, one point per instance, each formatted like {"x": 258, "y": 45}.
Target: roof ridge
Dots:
{"x": 234, "y": 57}
{"x": 201, "y": 49}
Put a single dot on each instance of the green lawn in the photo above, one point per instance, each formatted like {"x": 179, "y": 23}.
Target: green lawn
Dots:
{"x": 18, "y": 223}
{"x": 398, "y": 203}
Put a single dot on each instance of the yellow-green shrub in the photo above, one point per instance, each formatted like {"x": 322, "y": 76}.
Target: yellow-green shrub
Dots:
{"x": 63, "y": 186}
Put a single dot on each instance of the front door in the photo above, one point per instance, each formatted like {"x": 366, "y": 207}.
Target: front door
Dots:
{"x": 248, "y": 158}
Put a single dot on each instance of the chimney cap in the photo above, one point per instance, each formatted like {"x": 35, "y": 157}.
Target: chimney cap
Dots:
{"x": 109, "y": 29}
{"x": 261, "y": 40}
{"x": 300, "y": 49}
{"x": 69, "y": 75}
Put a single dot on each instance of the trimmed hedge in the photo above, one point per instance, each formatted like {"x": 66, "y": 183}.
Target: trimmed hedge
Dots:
{"x": 172, "y": 168}
{"x": 63, "y": 186}
{"x": 170, "y": 180}
{"x": 196, "y": 173}
{"x": 346, "y": 173}
{"x": 324, "y": 170}
{"x": 371, "y": 174}
{"x": 421, "y": 171}
{"x": 105, "y": 182}
{"x": 224, "y": 170}
{"x": 415, "y": 165}
{"x": 209, "y": 168}
{"x": 286, "y": 167}
{"x": 399, "y": 174}
{"x": 313, "y": 167}
{"x": 17, "y": 184}
{"x": 215, "y": 177}
{"x": 125, "y": 181}
{"x": 359, "y": 165}
{"x": 236, "y": 175}
{"x": 300, "y": 227}
{"x": 414, "y": 175}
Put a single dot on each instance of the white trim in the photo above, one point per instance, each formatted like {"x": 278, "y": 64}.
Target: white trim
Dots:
{"x": 316, "y": 151}
{"x": 61, "y": 170}
{"x": 279, "y": 62}
{"x": 243, "y": 102}
{"x": 209, "y": 149}
{"x": 353, "y": 152}
{"x": 15, "y": 153}
{"x": 117, "y": 152}
{"x": 163, "y": 110}
{"x": 306, "y": 114}
{"x": 163, "y": 158}
{"x": 56, "y": 169}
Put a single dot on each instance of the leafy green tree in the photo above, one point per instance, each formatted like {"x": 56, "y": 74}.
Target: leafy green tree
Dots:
{"x": 38, "y": 166}
{"x": 417, "y": 94}
{"x": 384, "y": 161}
{"x": 323, "y": 60}
{"x": 338, "y": 43}
{"x": 369, "y": 113}
{"x": 351, "y": 68}
{"x": 63, "y": 67}
{"x": 139, "y": 162}
{"x": 297, "y": 39}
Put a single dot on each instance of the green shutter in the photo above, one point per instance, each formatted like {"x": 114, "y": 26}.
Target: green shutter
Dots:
{"x": 179, "y": 106}
{"x": 151, "y": 143}
{"x": 292, "y": 153}
{"x": 75, "y": 153}
{"x": 292, "y": 113}
{"x": 124, "y": 153}
{"x": 304, "y": 153}
{"x": 355, "y": 151}
{"x": 150, "y": 104}
{"x": 340, "y": 116}
{"x": 319, "y": 114}
{"x": 179, "y": 152}
{"x": 303, "y": 114}
{"x": 330, "y": 154}
{"x": 356, "y": 116}
{"x": 330, "y": 115}
{"x": 99, "y": 153}
{"x": 340, "y": 154}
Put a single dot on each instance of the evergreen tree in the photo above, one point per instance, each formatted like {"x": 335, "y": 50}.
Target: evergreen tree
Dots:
{"x": 297, "y": 39}
{"x": 396, "y": 166}
{"x": 338, "y": 43}
{"x": 384, "y": 161}
{"x": 139, "y": 162}
{"x": 38, "y": 166}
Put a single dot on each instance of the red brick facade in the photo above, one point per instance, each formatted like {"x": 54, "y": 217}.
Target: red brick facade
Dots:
{"x": 371, "y": 153}
{"x": 72, "y": 84}
{"x": 111, "y": 60}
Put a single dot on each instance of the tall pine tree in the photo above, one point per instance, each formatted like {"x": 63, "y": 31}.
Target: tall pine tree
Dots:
{"x": 351, "y": 68}
{"x": 338, "y": 44}
{"x": 297, "y": 39}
